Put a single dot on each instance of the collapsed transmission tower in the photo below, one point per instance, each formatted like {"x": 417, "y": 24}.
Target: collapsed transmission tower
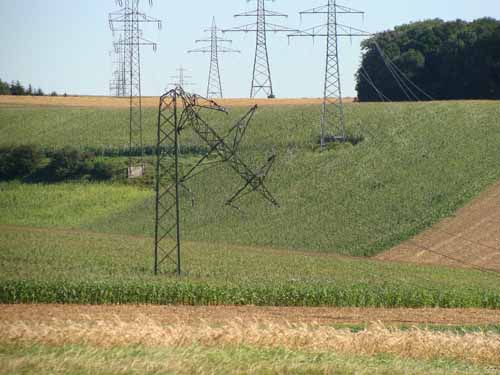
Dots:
{"x": 180, "y": 112}
{"x": 214, "y": 87}
{"x": 261, "y": 78}
{"x": 127, "y": 21}
{"x": 332, "y": 114}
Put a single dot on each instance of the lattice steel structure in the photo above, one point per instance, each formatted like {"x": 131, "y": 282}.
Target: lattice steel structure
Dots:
{"x": 117, "y": 85}
{"x": 214, "y": 87}
{"x": 332, "y": 114}
{"x": 180, "y": 79}
{"x": 179, "y": 111}
{"x": 261, "y": 77}
{"x": 127, "y": 21}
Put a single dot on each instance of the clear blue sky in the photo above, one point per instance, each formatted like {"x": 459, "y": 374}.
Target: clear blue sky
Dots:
{"x": 64, "y": 45}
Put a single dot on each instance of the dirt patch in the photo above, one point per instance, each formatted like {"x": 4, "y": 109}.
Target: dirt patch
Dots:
{"x": 225, "y": 314}
{"x": 469, "y": 239}
{"x": 147, "y": 102}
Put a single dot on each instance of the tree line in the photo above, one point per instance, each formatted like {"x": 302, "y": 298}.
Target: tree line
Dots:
{"x": 447, "y": 60}
{"x": 16, "y": 88}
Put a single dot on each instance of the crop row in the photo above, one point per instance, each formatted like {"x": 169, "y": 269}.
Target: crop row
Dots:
{"x": 192, "y": 293}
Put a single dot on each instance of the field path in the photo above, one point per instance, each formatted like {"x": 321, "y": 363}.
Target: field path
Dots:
{"x": 213, "y": 315}
{"x": 471, "y": 238}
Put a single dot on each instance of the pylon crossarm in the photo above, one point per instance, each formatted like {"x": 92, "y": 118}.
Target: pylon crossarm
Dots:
{"x": 322, "y": 31}
{"x": 323, "y": 9}
{"x": 256, "y": 12}
{"x": 228, "y": 50}
{"x": 240, "y": 128}
{"x": 246, "y": 28}
{"x": 199, "y": 102}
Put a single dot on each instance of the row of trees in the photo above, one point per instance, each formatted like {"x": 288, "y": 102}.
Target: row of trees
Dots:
{"x": 16, "y": 88}
{"x": 448, "y": 60}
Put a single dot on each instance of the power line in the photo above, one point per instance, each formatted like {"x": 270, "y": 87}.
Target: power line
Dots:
{"x": 479, "y": 268}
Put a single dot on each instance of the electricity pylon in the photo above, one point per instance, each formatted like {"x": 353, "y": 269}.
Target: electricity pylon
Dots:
{"x": 180, "y": 79}
{"x": 214, "y": 87}
{"x": 332, "y": 113}
{"x": 127, "y": 21}
{"x": 117, "y": 83}
{"x": 261, "y": 78}
{"x": 181, "y": 112}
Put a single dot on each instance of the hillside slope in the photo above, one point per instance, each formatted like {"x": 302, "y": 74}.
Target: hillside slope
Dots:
{"x": 416, "y": 165}
{"x": 470, "y": 238}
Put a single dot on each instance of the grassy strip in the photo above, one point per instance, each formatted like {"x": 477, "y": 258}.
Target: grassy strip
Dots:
{"x": 199, "y": 293}
{"x": 82, "y": 360}
{"x": 71, "y": 266}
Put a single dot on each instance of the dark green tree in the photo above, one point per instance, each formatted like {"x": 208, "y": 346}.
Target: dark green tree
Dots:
{"x": 4, "y": 88}
{"x": 16, "y": 88}
{"x": 448, "y": 60}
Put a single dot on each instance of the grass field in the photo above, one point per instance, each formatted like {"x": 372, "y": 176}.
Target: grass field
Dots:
{"x": 41, "y": 265}
{"x": 89, "y": 243}
{"x": 417, "y": 164}
{"x": 80, "y": 359}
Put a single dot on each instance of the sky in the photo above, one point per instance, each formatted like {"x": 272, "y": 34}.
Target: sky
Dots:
{"x": 64, "y": 45}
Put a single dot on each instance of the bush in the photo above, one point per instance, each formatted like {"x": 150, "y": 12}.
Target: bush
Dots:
{"x": 68, "y": 163}
{"x": 102, "y": 171}
{"x": 19, "y": 161}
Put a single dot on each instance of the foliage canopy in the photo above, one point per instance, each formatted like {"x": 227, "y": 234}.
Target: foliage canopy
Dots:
{"x": 448, "y": 60}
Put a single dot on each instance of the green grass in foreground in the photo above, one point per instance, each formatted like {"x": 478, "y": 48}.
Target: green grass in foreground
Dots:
{"x": 417, "y": 164}
{"x": 16, "y": 359}
{"x": 80, "y": 267}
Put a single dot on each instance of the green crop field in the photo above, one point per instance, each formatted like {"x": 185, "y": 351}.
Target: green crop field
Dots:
{"x": 417, "y": 163}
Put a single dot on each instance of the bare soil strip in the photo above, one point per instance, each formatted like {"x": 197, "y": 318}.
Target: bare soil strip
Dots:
{"x": 224, "y": 314}
{"x": 471, "y": 238}
{"x": 258, "y": 327}
{"x": 147, "y": 102}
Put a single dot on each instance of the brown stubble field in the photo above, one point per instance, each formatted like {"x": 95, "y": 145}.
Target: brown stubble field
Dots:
{"x": 470, "y": 238}
{"x": 147, "y": 101}
{"x": 306, "y": 329}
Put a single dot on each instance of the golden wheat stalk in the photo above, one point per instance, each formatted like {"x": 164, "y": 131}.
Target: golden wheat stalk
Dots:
{"x": 416, "y": 343}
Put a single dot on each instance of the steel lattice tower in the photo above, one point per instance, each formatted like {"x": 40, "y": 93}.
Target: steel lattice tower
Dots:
{"x": 332, "y": 113}
{"x": 117, "y": 83}
{"x": 181, "y": 112}
{"x": 127, "y": 21}
{"x": 214, "y": 87}
{"x": 180, "y": 79}
{"x": 261, "y": 78}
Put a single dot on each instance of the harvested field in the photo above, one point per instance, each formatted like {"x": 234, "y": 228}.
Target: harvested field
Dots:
{"x": 147, "y": 102}
{"x": 175, "y": 327}
{"x": 224, "y": 314}
{"x": 471, "y": 238}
